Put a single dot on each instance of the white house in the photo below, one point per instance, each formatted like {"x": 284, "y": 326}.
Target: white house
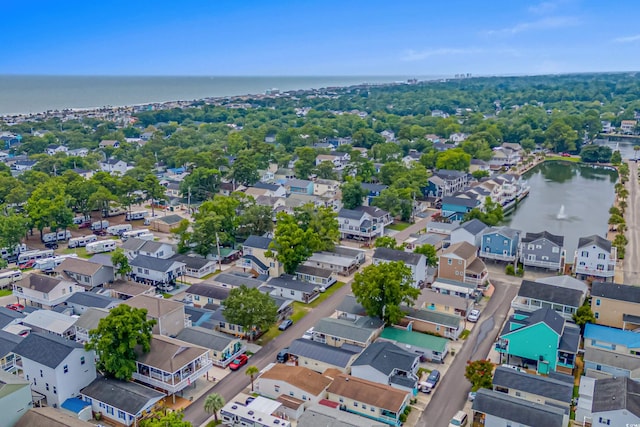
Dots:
{"x": 595, "y": 258}
{"x": 56, "y": 148}
{"x": 470, "y": 231}
{"x": 416, "y": 262}
{"x": 363, "y": 223}
{"x": 156, "y": 270}
{"x": 609, "y": 401}
{"x": 43, "y": 291}
{"x": 56, "y": 367}
{"x": 288, "y": 286}
{"x": 114, "y": 166}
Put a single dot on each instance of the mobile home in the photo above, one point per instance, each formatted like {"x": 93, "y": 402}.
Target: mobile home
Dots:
{"x": 35, "y": 255}
{"x": 48, "y": 264}
{"x": 18, "y": 249}
{"x": 99, "y": 225}
{"x": 134, "y": 233}
{"x": 56, "y": 236}
{"x": 116, "y": 230}
{"x": 101, "y": 246}
{"x": 78, "y": 242}
{"x": 7, "y": 277}
{"x": 132, "y": 216}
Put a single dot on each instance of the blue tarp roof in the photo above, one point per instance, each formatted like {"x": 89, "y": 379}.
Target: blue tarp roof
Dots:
{"x": 75, "y": 404}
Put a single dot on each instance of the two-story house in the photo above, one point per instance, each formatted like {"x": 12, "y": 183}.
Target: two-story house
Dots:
{"x": 222, "y": 348}
{"x": 416, "y": 262}
{"x": 134, "y": 246}
{"x": 533, "y": 388}
{"x": 298, "y": 382}
{"x": 169, "y": 315}
{"x": 543, "y": 250}
{"x": 493, "y": 408}
{"x": 535, "y": 295}
{"x": 379, "y": 402}
{"x": 57, "y": 368}
{"x": 542, "y": 341}
{"x": 88, "y": 321}
{"x": 444, "y": 303}
{"x": 595, "y": 259}
{"x": 15, "y": 398}
{"x": 385, "y": 363}
{"x": 460, "y": 262}
{"x": 56, "y": 148}
{"x": 455, "y": 207}
{"x": 9, "y": 361}
{"x": 470, "y": 232}
{"x": 611, "y": 352}
{"x": 337, "y": 159}
{"x": 288, "y": 286}
{"x": 342, "y": 260}
{"x": 363, "y": 223}
{"x": 444, "y": 183}
{"x": 156, "y": 271}
{"x": 109, "y": 143}
{"x": 608, "y": 402}
{"x": 114, "y": 166}
{"x": 500, "y": 243}
{"x": 86, "y": 273}
{"x": 254, "y": 257}
{"x": 372, "y": 191}
{"x": 616, "y": 305}
{"x": 43, "y": 291}
{"x": 202, "y": 294}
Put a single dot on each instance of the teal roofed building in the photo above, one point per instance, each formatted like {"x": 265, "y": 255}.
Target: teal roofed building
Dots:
{"x": 428, "y": 347}
{"x": 542, "y": 341}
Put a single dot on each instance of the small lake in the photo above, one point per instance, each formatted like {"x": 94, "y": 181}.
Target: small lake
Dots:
{"x": 566, "y": 199}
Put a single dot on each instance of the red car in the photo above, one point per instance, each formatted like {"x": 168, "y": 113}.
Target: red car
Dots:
{"x": 566, "y": 155}
{"x": 238, "y": 362}
{"x": 15, "y": 307}
{"x": 28, "y": 264}
{"x": 84, "y": 225}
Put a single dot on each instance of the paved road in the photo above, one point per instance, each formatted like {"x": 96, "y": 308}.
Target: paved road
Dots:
{"x": 419, "y": 225}
{"x": 450, "y": 396}
{"x": 632, "y": 251}
{"x": 235, "y": 382}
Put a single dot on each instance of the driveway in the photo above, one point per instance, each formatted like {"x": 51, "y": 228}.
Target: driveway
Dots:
{"x": 236, "y": 382}
{"x": 451, "y": 394}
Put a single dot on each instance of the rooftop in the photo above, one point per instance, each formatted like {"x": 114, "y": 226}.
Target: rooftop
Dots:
{"x": 298, "y": 376}
{"x": 128, "y": 396}
{"x": 616, "y": 291}
{"x": 415, "y": 339}
{"x": 517, "y": 410}
{"x": 47, "y": 349}
{"x": 535, "y": 384}
{"x": 396, "y": 255}
{"x": 170, "y": 354}
{"x": 551, "y": 293}
{"x": 373, "y": 394}
{"x": 155, "y": 307}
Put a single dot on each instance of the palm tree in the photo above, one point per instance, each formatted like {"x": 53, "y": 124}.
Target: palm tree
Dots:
{"x": 251, "y": 371}
{"x": 213, "y": 404}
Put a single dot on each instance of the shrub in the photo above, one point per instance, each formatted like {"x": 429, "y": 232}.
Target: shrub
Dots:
{"x": 509, "y": 270}
{"x": 403, "y": 418}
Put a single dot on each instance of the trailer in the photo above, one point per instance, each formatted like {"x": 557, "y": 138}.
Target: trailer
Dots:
{"x": 34, "y": 255}
{"x": 56, "y": 236}
{"x": 117, "y": 230}
{"x": 6, "y": 254}
{"x": 48, "y": 264}
{"x": 134, "y": 233}
{"x": 8, "y": 277}
{"x": 101, "y": 246}
{"x": 79, "y": 242}
{"x": 99, "y": 225}
{"x": 132, "y": 216}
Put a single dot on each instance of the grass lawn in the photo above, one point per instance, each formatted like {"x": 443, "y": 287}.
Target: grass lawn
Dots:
{"x": 210, "y": 275}
{"x": 464, "y": 334}
{"x": 398, "y": 226}
{"x": 563, "y": 159}
{"x": 5, "y": 292}
{"x": 82, "y": 252}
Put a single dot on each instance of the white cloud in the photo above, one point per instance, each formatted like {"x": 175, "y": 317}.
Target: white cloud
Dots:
{"x": 541, "y": 24}
{"x": 627, "y": 39}
{"x": 543, "y": 8}
{"x": 419, "y": 55}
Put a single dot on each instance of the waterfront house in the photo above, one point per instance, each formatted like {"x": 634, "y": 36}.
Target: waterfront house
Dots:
{"x": 171, "y": 365}
{"x": 533, "y": 388}
{"x": 222, "y": 347}
{"x": 444, "y": 303}
{"x": 156, "y": 271}
{"x": 385, "y": 363}
{"x": 428, "y": 347}
{"x": 124, "y": 402}
{"x": 544, "y": 250}
{"x": 168, "y": 314}
{"x": 455, "y": 207}
{"x": 417, "y": 263}
{"x": 616, "y": 305}
{"x": 535, "y": 295}
{"x": 43, "y": 291}
{"x": 337, "y": 332}
{"x": 432, "y": 322}
{"x": 57, "y": 368}
{"x": 445, "y": 183}
{"x": 254, "y": 257}
{"x": 478, "y": 165}
{"x": 379, "y": 402}
{"x": 504, "y": 157}
{"x": 293, "y": 381}
{"x": 595, "y": 259}
{"x": 363, "y": 223}
{"x": 611, "y": 352}
{"x": 500, "y": 243}
{"x": 542, "y": 341}
{"x": 15, "y": 398}
{"x": 609, "y": 402}
{"x": 320, "y": 357}
{"x": 470, "y": 232}
{"x": 493, "y": 408}
{"x": 460, "y": 262}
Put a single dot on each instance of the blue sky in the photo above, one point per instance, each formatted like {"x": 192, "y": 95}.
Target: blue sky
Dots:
{"x": 307, "y": 37}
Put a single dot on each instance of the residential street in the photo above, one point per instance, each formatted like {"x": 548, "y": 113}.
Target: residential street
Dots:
{"x": 451, "y": 394}
{"x": 632, "y": 251}
{"x": 235, "y": 382}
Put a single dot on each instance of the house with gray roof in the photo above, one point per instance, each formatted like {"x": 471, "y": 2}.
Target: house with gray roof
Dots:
{"x": 565, "y": 281}
{"x": 416, "y": 262}
{"x": 9, "y": 317}
{"x": 337, "y": 332}
{"x": 543, "y": 250}
{"x": 289, "y": 286}
{"x": 254, "y": 257}
{"x": 616, "y": 305}
{"x": 350, "y": 309}
{"x": 363, "y": 223}
{"x": 595, "y": 259}
{"x": 52, "y": 322}
{"x": 470, "y": 232}
{"x": 316, "y": 275}
{"x": 235, "y": 280}
{"x": 223, "y": 348}
{"x": 328, "y": 416}
{"x": 87, "y": 273}
{"x": 534, "y": 388}
{"x": 58, "y": 368}
{"x": 443, "y": 324}
{"x": 195, "y": 266}
{"x": 156, "y": 271}
{"x": 87, "y": 321}
{"x": 493, "y": 408}
{"x": 319, "y": 357}
{"x": 39, "y": 290}
{"x": 609, "y": 401}
{"x": 443, "y": 303}
{"x": 202, "y": 294}
{"x": 8, "y": 359}
{"x": 124, "y": 402}
{"x": 82, "y": 301}
{"x": 385, "y": 363}
{"x": 500, "y": 243}
{"x": 535, "y": 295}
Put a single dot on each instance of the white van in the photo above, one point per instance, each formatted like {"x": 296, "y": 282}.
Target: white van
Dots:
{"x": 101, "y": 246}
{"x": 459, "y": 419}
{"x": 116, "y": 230}
{"x": 132, "y": 216}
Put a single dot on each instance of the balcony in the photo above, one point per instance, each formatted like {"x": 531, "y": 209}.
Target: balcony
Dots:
{"x": 502, "y": 346}
{"x": 498, "y": 257}
{"x": 608, "y": 272}
{"x": 173, "y": 383}
{"x": 477, "y": 279}
{"x": 550, "y": 265}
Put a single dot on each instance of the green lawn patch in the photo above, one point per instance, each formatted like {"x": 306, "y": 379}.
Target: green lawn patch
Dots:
{"x": 323, "y": 296}
{"x": 398, "y": 226}
{"x": 81, "y": 252}
{"x": 210, "y": 275}
{"x": 563, "y": 159}
{"x": 167, "y": 295}
{"x": 5, "y": 292}
{"x": 464, "y": 334}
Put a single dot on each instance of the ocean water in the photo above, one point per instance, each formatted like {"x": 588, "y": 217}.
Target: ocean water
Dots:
{"x": 34, "y": 94}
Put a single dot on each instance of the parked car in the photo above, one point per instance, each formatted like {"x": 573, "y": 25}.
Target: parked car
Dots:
{"x": 51, "y": 245}
{"x": 473, "y": 315}
{"x": 28, "y": 264}
{"x": 472, "y": 396}
{"x": 100, "y": 232}
{"x": 431, "y": 382}
{"x": 166, "y": 287}
{"x": 308, "y": 335}
{"x": 238, "y": 362}
{"x": 283, "y": 355}
{"x": 459, "y": 419}
{"x": 285, "y": 324}
{"x": 85, "y": 225}
{"x": 15, "y": 307}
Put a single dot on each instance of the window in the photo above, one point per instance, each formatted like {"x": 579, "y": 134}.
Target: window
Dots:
{"x": 146, "y": 271}
{"x": 555, "y": 250}
{"x": 538, "y": 246}
{"x": 341, "y": 400}
{"x": 449, "y": 261}
{"x": 488, "y": 240}
{"x": 65, "y": 368}
{"x": 600, "y": 267}
{"x": 355, "y": 404}
{"x": 372, "y": 409}
{"x": 602, "y": 256}
{"x": 293, "y": 292}
{"x": 304, "y": 397}
{"x": 46, "y": 386}
{"x": 518, "y": 394}
{"x": 276, "y": 388}
{"x": 364, "y": 406}
{"x": 70, "y": 289}
{"x": 40, "y": 373}
{"x": 605, "y": 421}
{"x": 121, "y": 415}
{"x": 55, "y": 390}
{"x": 530, "y": 247}
{"x": 35, "y": 382}
{"x": 110, "y": 410}
{"x": 598, "y": 302}
{"x": 139, "y": 270}
{"x": 222, "y": 324}
{"x": 584, "y": 254}
{"x": 459, "y": 262}
{"x": 505, "y": 242}
{"x": 290, "y": 393}
{"x": 596, "y": 315}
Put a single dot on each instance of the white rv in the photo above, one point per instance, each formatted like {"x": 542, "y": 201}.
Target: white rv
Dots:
{"x": 117, "y": 230}
{"x": 99, "y": 225}
{"x": 133, "y": 233}
{"x": 101, "y": 246}
{"x": 132, "y": 216}
{"x": 56, "y": 236}
{"x": 78, "y": 242}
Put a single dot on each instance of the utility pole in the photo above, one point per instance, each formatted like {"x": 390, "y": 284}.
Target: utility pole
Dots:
{"x": 219, "y": 257}
{"x": 189, "y": 200}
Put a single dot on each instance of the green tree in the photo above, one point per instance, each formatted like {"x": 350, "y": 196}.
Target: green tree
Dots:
{"x": 352, "y": 194}
{"x": 117, "y": 338}
{"x": 292, "y": 244}
{"x": 479, "y": 174}
{"x": 383, "y": 288}
{"x": 165, "y": 418}
{"x": 616, "y": 157}
{"x": 479, "y": 373}
{"x": 322, "y": 222}
{"x": 216, "y": 221}
{"x": 250, "y": 308}
{"x": 306, "y": 162}
{"x": 48, "y": 206}
{"x": 120, "y": 262}
{"x": 454, "y": 159}
{"x": 255, "y": 219}
{"x": 326, "y": 170}
{"x": 429, "y": 251}
{"x": 388, "y": 242}
{"x": 13, "y": 228}
{"x": 183, "y": 235}
{"x": 561, "y": 137}
{"x": 245, "y": 168}
{"x": 154, "y": 191}
{"x": 584, "y": 315}
{"x": 251, "y": 372}
{"x": 201, "y": 184}
{"x": 214, "y": 402}
{"x": 491, "y": 213}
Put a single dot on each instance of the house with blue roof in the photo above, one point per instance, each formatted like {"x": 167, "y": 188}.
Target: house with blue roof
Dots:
{"x": 500, "y": 243}
{"x": 611, "y": 352}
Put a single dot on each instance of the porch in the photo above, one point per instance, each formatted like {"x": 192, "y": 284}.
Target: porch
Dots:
{"x": 172, "y": 382}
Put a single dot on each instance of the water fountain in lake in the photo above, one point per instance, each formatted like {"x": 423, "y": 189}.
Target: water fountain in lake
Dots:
{"x": 561, "y": 215}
